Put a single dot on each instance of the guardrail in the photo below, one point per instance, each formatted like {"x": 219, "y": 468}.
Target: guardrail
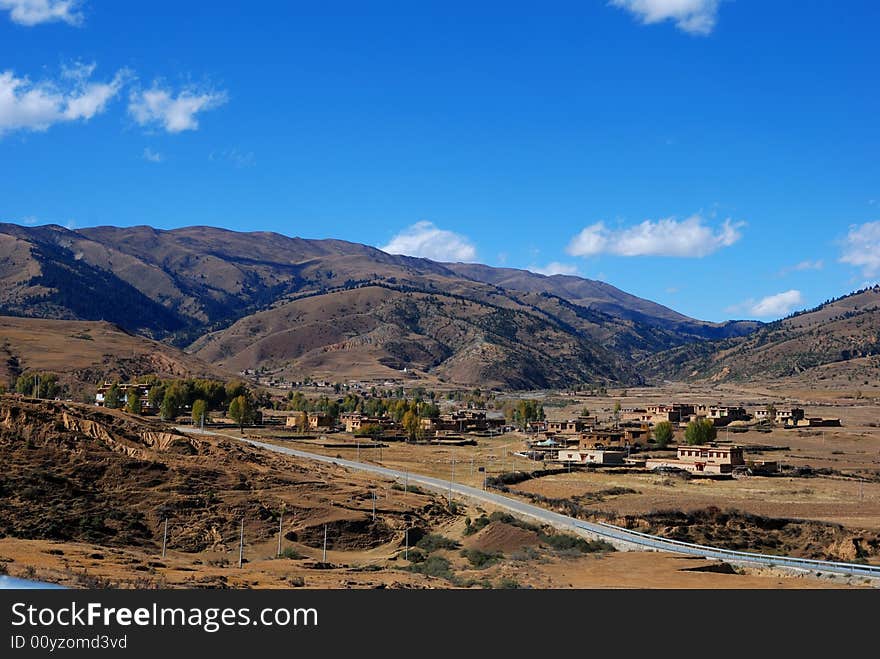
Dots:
{"x": 769, "y": 560}
{"x": 605, "y": 529}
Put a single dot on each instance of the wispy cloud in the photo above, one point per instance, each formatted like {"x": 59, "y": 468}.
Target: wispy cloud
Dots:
{"x": 152, "y": 156}
{"x": 861, "y": 248}
{"x": 802, "y": 267}
{"x": 238, "y": 159}
{"x": 174, "y": 112}
{"x": 29, "y": 106}
{"x": 690, "y": 238}
{"x": 34, "y": 12}
{"x": 691, "y": 16}
{"x": 772, "y": 306}
{"x": 426, "y": 240}
{"x": 555, "y": 268}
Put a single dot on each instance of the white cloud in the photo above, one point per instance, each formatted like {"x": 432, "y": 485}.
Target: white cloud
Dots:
{"x": 809, "y": 265}
{"x": 777, "y": 305}
{"x": 691, "y": 16}
{"x": 861, "y": 248}
{"x": 555, "y": 268}
{"x": 803, "y": 266}
{"x": 152, "y": 156}
{"x": 36, "y": 106}
{"x": 666, "y": 237}
{"x": 174, "y": 113}
{"x": 34, "y": 12}
{"x": 426, "y": 240}
{"x": 238, "y": 159}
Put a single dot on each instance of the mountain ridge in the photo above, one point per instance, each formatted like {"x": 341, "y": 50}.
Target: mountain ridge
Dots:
{"x": 204, "y": 288}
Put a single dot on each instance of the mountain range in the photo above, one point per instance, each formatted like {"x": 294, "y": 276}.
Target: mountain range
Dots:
{"x": 331, "y": 308}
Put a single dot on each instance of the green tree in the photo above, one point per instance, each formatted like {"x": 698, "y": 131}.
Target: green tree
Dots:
{"x": 133, "y": 401}
{"x": 663, "y": 434}
{"x": 155, "y": 395}
{"x": 199, "y": 411}
{"x": 771, "y": 413}
{"x": 169, "y": 408}
{"x": 700, "y": 431}
{"x": 113, "y": 397}
{"x": 240, "y": 411}
{"x": 41, "y": 385}
{"x": 234, "y": 389}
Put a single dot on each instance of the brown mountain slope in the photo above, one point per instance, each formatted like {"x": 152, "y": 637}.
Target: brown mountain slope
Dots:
{"x": 378, "y": 331}
{"x": 86, "y": 353}
{"x": 843, "y": 334}
{"x": 182, "y": 284}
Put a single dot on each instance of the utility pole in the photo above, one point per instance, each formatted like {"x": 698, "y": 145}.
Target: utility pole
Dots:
{"x": 165, "y": 538}
{"x": 405, "y": 481}
{"x": 241, "y": 545}
{"x": 324, "y": 555}
{"x": 280, "y": 522}
{"x": 451, "y": 480}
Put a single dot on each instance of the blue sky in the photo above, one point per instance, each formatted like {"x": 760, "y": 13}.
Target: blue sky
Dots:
{"x": 717, "y": 157}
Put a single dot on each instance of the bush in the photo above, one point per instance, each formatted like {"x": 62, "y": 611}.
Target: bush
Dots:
{"x": 435, "y": 566}
{"x": 508, "y": 583}
{"x": 291, "y": 553}
{"x": 434, "y": 541}
{"x": 481, "y": 559}
{"x": 571, "y": 543}
{"x": 416, "y": 556}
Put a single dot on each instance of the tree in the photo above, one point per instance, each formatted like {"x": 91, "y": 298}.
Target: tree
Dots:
{"x": 663, "y": 434}
{"x": 133, "y": 401}
{"x": 113, "y": 397}
{"x": 156, "y": 395}
{"x": 771, "y": 413}
{"x": 700, "y": 431}
{"x": 240, "y": 411}
{"x": 199, "y": 411}
{"x": 40, "y": 385}
{"x": 412, "y": 424}
{"x": 169, "y": 408}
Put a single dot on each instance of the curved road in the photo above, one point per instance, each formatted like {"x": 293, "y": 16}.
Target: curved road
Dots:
{"x": 618, "y": 536}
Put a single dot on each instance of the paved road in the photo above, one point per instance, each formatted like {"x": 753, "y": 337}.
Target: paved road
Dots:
{"x": 616, "y": 535}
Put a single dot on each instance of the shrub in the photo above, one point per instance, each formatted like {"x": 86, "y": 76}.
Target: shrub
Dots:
{"x": 291, "y": 553}
{"x": 508, "y": 583}
{"x": 481, "y": 559}
{"x": 565, "y": 542}
{"x": 434, "y": 541}
{"x": 435, "y": 566}
{"x": 416, "y": 556}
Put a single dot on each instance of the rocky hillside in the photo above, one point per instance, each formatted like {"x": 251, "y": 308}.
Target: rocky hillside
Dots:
{"x": 84, "y": 353}
{"x": 842, "y": 334}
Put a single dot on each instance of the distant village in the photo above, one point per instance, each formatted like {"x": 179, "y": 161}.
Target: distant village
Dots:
{"x": 626, "y": 438}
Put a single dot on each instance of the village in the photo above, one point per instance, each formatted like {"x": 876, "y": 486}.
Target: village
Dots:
{"x": 664, "y": 438}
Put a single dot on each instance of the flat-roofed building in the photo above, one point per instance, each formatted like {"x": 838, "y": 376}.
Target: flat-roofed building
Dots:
{"x": 591, "y": 456}
{"x": 703, "y": 459}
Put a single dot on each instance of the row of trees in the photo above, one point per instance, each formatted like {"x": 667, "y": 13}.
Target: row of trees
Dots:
{"x": 201, "y": 396}
{"x": 523, "y": 412}
{"x": 697, "y": 432}
{"x": 40, "y": 385}
{"x": 392, "y": 408}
